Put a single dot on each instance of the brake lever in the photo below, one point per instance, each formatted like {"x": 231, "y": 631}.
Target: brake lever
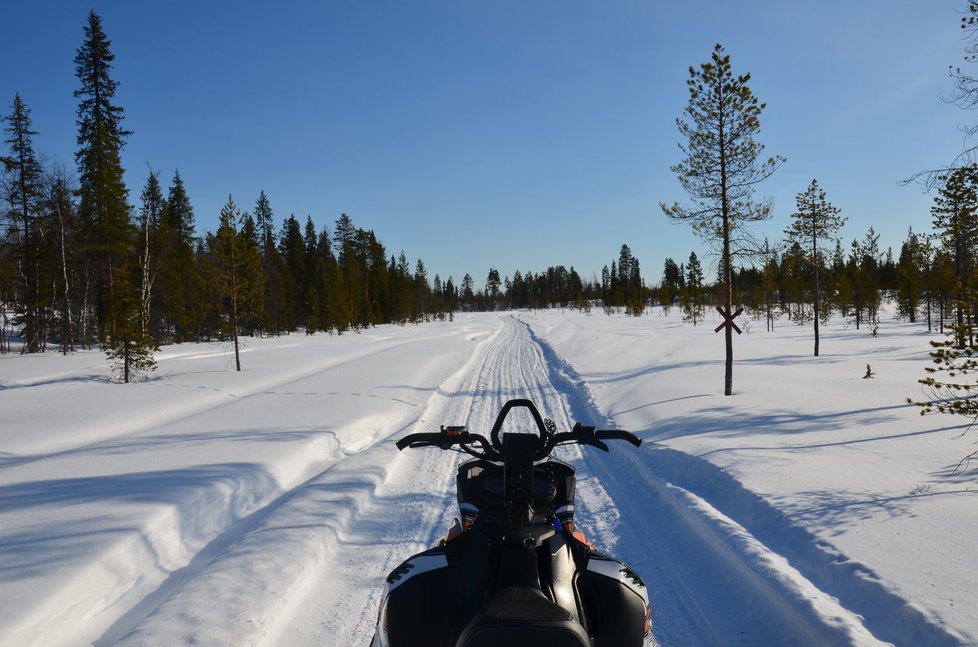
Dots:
{"x": 588, "y": 436}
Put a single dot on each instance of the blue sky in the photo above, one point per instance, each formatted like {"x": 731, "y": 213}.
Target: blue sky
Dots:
{"x": 510, "y": 134}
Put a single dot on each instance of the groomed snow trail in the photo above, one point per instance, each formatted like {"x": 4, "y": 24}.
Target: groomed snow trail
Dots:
{"x": 310, "y": 573}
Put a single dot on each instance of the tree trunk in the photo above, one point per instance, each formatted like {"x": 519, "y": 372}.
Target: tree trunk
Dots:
{"x": 67, "y": 343}
{"x": 234, "y": 307}
{"x": 126, "y": 357}
{"x": 816, "y": 263}
{"x": 727, "y": 267}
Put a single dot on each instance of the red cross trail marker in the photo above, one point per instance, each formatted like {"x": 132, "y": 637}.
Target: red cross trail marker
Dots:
{"x": 728, "y": 319}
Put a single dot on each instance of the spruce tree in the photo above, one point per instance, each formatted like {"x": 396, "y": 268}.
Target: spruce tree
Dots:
{"x": 348, "y": 264}
{"x": 128, "y": 346}
{"x": 493, "y": 283}
{"x": 293, "y": 252}
{"x": 815, "y": 221}
{"x": 103, "y": 208}
{"x": 237, "y": 272}
{"x": 422, "y": 292}
{"x": 326, "y": 271}
{"x": 378, "y": 280}
{"x": 692, "y": 295}
{"x": 672, "y": 284}
{"x": 794, "y": 274}
{"x": 277, "y": 286}
{"x": 468, "y": 294}
{"x": 451, "y": 298}
{"x": 955, "y": 215}
{"x": 24, "y": 194}
{"x": 769, "y": 283}
{"x": 310, "y": 303}
{"x": 250, "y": 306}
{"x": 911, "y": 275}
{"x": 721, "y": 168}
{"x": 178, "y": 288}
{"x": 400, "y": 288}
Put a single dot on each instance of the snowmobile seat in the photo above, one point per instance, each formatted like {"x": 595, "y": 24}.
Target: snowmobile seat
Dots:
{"x": 521, "y": 616}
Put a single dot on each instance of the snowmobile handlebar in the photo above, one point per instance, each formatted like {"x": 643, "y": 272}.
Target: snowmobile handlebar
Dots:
{"x": 447, "y": 439}
{"x": 493, "y": 448}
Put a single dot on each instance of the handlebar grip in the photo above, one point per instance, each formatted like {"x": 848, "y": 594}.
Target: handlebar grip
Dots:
{"x": 618, "y": 434}
{"x": 419, "y": 440}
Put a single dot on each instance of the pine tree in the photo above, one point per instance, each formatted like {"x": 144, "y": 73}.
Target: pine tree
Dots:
{"x": 815, "y": 221}
{"x": 103, "y": 208}
{"x": 951, "y": 386}
{"x": 721, "y": 168}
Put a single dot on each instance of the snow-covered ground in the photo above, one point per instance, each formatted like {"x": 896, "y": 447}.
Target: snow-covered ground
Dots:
{"x": 209, "y": 507}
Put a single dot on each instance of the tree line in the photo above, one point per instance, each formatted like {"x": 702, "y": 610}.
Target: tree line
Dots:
{"x": 80, "y": 266}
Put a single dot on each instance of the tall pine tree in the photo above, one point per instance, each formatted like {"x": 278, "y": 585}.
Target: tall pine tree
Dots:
{"x": 721, "y": 168}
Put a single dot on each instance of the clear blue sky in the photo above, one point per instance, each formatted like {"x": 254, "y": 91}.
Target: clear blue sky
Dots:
{"x": 508, "y": 133}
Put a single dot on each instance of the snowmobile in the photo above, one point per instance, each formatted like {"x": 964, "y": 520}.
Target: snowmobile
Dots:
{"x": 514, "y": 572}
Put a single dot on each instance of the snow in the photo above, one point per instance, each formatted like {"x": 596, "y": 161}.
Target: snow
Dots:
{"x": 206, "y": 506}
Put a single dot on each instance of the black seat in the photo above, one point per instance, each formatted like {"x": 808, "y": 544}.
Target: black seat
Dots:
{"x": 520, "y": 616}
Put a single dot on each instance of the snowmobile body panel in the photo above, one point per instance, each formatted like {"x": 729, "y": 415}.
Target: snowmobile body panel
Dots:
{"x": 470, "y": 593}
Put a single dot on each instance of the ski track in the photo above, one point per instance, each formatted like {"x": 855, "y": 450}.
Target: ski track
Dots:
{"x": 711, "y": 581}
